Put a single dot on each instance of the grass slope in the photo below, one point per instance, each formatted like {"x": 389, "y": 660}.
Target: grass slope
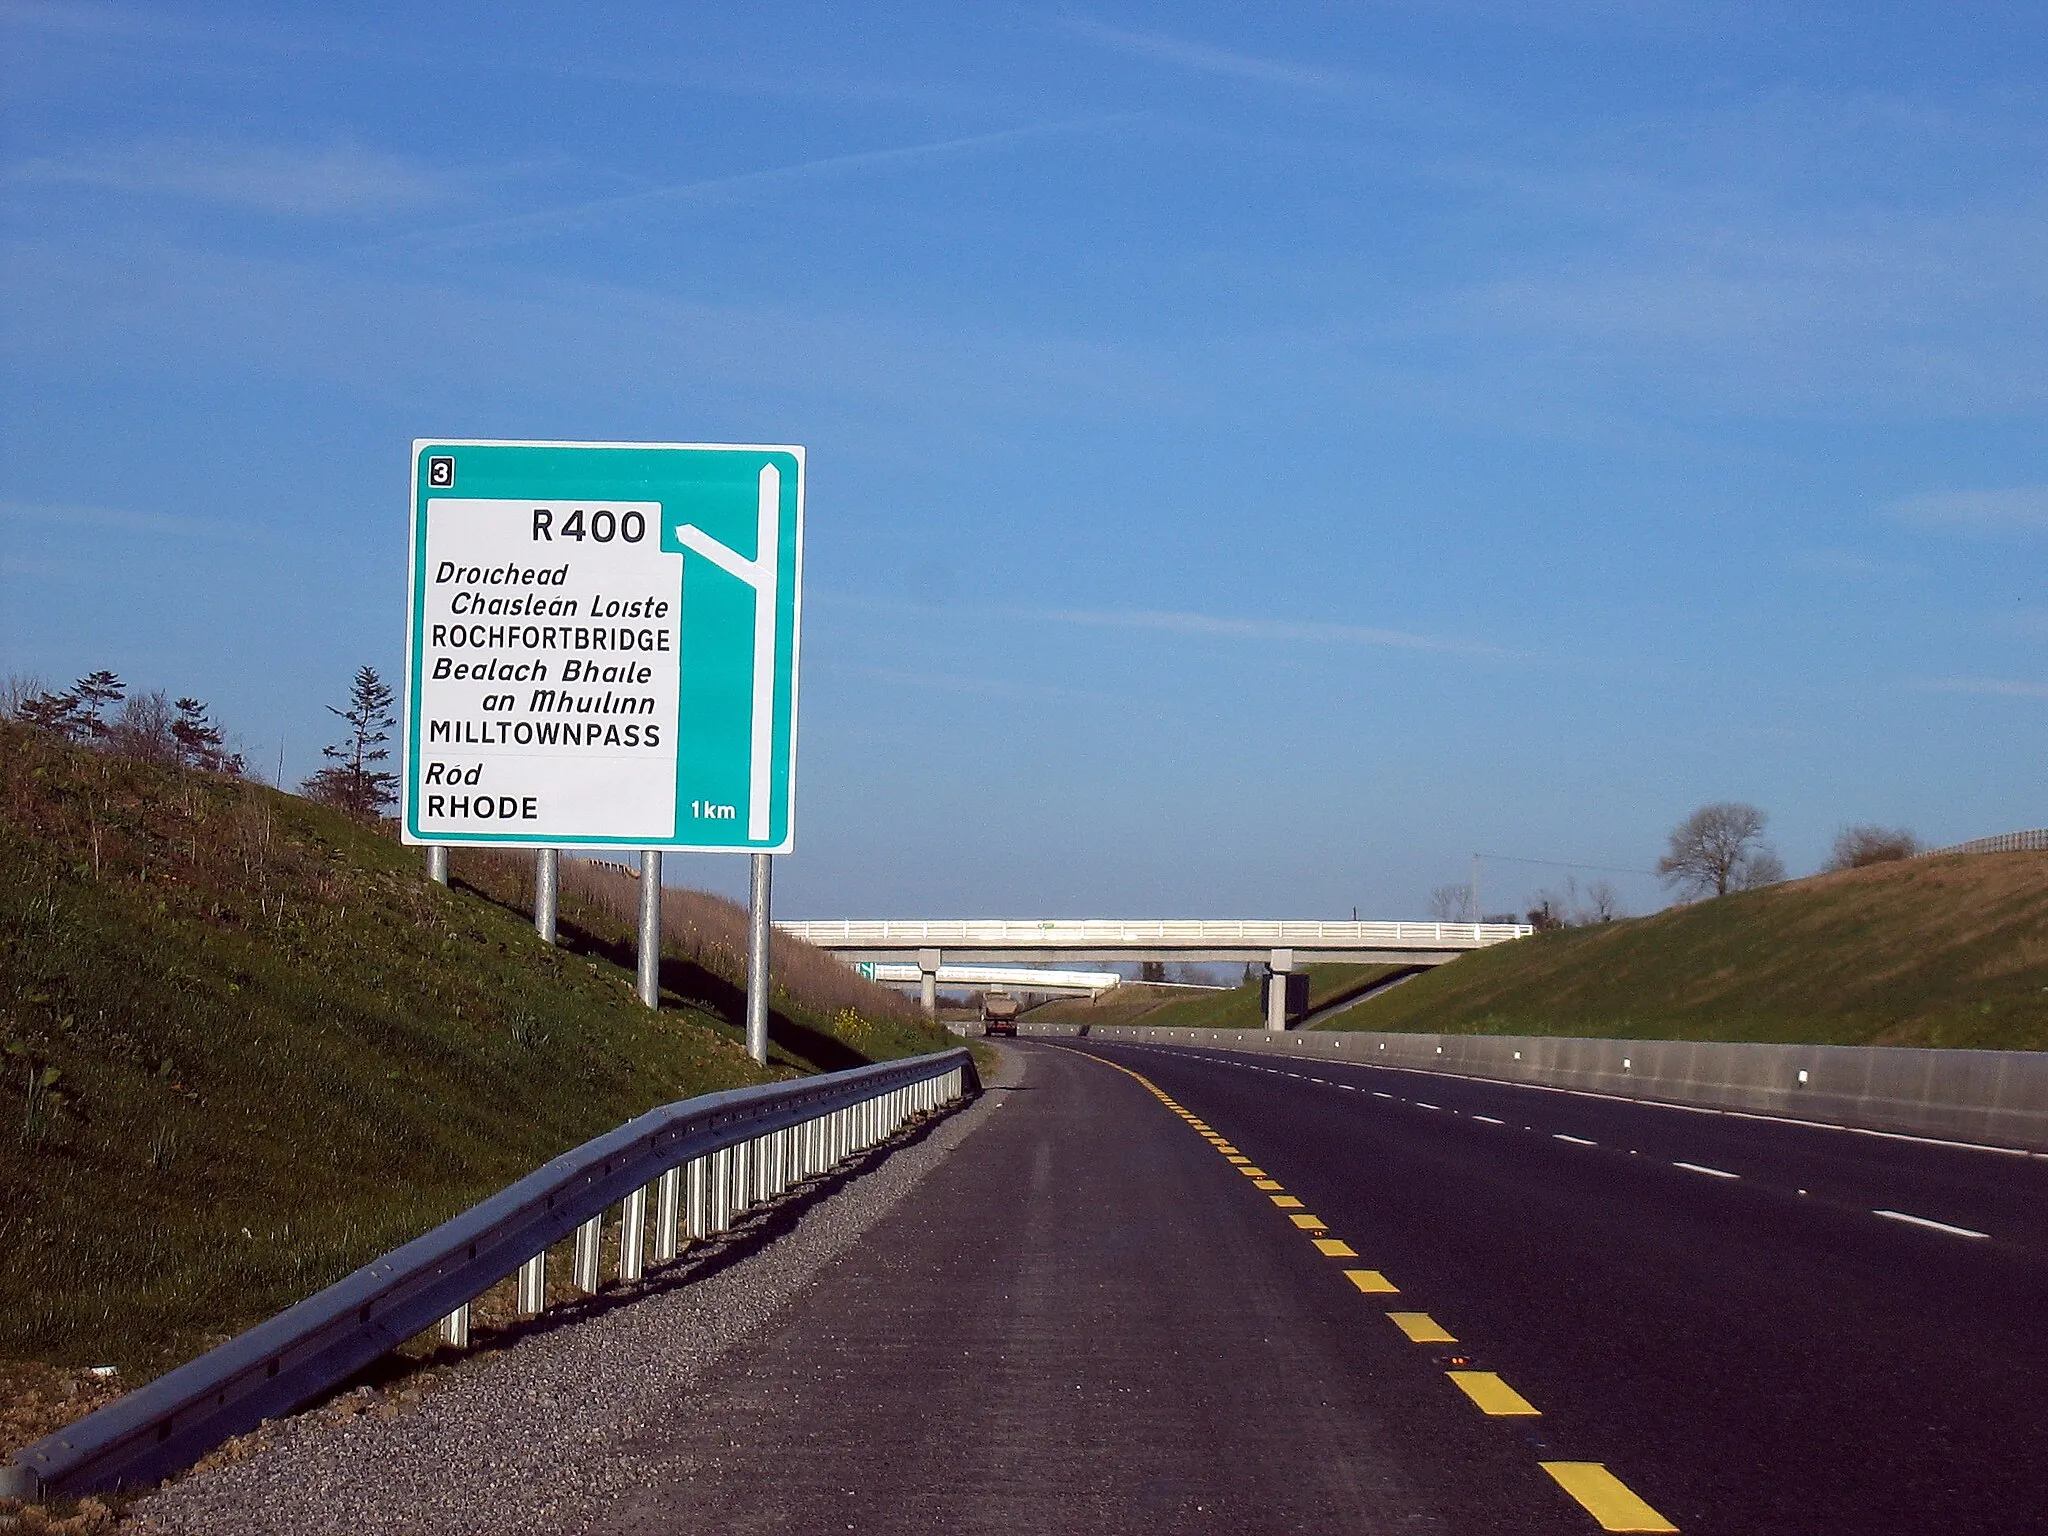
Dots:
{"x": 1927, "y": 952}
{"x": 1171, "y": 1008}
{"x": 246, "y": 1047}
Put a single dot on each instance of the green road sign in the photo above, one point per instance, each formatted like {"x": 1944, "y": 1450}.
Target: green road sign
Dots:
{"x": 603, "y": 645}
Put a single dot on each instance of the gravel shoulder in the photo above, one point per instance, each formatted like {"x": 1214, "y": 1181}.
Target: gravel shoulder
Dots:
{"x": 542, "y": 1436}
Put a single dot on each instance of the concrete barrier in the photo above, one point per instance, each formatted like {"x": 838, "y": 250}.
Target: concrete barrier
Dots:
{"x": 1995, "y": 1097}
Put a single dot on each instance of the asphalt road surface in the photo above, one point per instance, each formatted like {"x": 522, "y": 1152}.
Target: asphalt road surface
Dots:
{"x": 1173, "y": 1290}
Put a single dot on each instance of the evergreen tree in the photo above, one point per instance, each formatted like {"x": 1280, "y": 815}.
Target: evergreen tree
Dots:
{"x": 200, "y": 742}
{"x": 355, "y": 784}
{"x": 94, "y": 693}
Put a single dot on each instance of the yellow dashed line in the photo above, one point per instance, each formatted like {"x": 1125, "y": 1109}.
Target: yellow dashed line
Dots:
{"x": 1605, "y": 1497}
{"x": 1421, "y": 1328}
{"x": 1598, "y": 1491}
{"x": 1494, "y": 1396}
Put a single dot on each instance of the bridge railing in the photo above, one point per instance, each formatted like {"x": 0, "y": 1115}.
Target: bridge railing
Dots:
{"x": 1193, "y": 933}
{"x": 697, "y": 1164}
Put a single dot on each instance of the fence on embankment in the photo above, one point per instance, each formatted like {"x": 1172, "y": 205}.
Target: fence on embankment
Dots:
{"x": 1995, "y": 1097}
{"x": 692, "y": 1167}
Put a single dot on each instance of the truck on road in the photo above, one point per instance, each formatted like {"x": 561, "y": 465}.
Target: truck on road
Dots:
{"x": 998, "y": 1014}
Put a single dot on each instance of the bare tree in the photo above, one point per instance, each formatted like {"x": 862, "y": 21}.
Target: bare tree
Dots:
{"x": 1861, "y": 845}
{"x": 1720, "y": 848}
{"x": 16, "y": 689}
{"x": 145, "y": 729}
{"x": 1602, "y": 904}
{"x": 1452, "y": 904}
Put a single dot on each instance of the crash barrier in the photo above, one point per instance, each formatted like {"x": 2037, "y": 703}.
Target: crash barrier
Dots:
{"x": 1999, "y": 1098}
{"x": 696, "y": 1164}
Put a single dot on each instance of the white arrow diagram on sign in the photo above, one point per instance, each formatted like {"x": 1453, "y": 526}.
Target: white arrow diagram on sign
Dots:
{"x": 760, "y": 574}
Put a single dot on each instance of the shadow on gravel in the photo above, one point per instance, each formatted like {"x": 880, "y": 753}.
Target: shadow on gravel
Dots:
{"x": 755, "y": 1231}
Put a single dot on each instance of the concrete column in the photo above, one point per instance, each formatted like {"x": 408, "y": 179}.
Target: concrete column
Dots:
{"x": 1276, "y": 989}
{"x": 928, "y": 981}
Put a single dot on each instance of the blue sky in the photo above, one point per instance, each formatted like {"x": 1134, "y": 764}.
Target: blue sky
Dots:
{"x": 1258, "y": 455}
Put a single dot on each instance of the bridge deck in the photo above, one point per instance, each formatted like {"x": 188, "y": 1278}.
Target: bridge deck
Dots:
{"x": 1191, "y": 938}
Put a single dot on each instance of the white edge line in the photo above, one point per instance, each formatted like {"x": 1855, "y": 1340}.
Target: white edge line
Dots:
{"x": 1577, "y": 1141}
{"x": 1488, "y": 1120}
{"x": 1932, "y": 1226}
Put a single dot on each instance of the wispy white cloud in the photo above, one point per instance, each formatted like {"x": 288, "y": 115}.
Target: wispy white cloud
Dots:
{"x": 61, "y": 514}
{"x": 1167, "y": 621}
{"x": 1205, "y": 58}
{"x": 2019, "y": 509}
{"x": 2024, "y": 623}
{"x": 1839, "y": 562}
{"x": 324, "y": 182}
{"x": 1997, "y": 686}
{"x": 553, "y": 221}
{"x": 960, "y": 683}
{"x": 88, "y": 19}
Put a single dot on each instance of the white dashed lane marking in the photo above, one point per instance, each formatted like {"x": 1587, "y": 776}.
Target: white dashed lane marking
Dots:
{"x": 1926, "y": 1223}
{"x": 1716, "y": 1173}
{"x": 1932, "y": 1226}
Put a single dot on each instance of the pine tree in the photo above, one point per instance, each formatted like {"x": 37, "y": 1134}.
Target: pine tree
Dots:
{"x": 200, "y": 742}
{"x": 355, "y": 784}
{"x": 94, "y": 692}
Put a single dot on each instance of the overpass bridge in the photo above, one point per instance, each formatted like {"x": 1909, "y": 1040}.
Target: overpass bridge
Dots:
{"x": 1281, "y": 946}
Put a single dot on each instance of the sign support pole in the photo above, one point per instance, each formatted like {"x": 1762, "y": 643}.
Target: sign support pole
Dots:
{"x": 758, "y": 934}
{"x": 437, "y": 864}
{"x": 547, "y": 892}
{"x": 650, "y": 927}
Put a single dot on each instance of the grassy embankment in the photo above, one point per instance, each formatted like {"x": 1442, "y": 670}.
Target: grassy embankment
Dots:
{"x": 247, "y": 1046}
{"x": 1926, "y": 952}
{"x": 1172, "y": 1008}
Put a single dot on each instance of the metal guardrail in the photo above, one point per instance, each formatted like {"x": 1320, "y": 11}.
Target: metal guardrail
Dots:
{"x": 698, "y": 1163}
{"x": 1192, "y": 933}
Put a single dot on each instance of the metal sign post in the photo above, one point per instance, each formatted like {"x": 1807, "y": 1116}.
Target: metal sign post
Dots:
{"x": 547, "y": 892}
{"x": 649, "y": 977}
{"x": 602, "y": 653}
{"x": 759, "y": 935}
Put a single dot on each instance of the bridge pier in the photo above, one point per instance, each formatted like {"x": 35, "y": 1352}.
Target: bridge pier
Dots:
{"x": 928, "y": 980}
{"x": 1277, "y": 971}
